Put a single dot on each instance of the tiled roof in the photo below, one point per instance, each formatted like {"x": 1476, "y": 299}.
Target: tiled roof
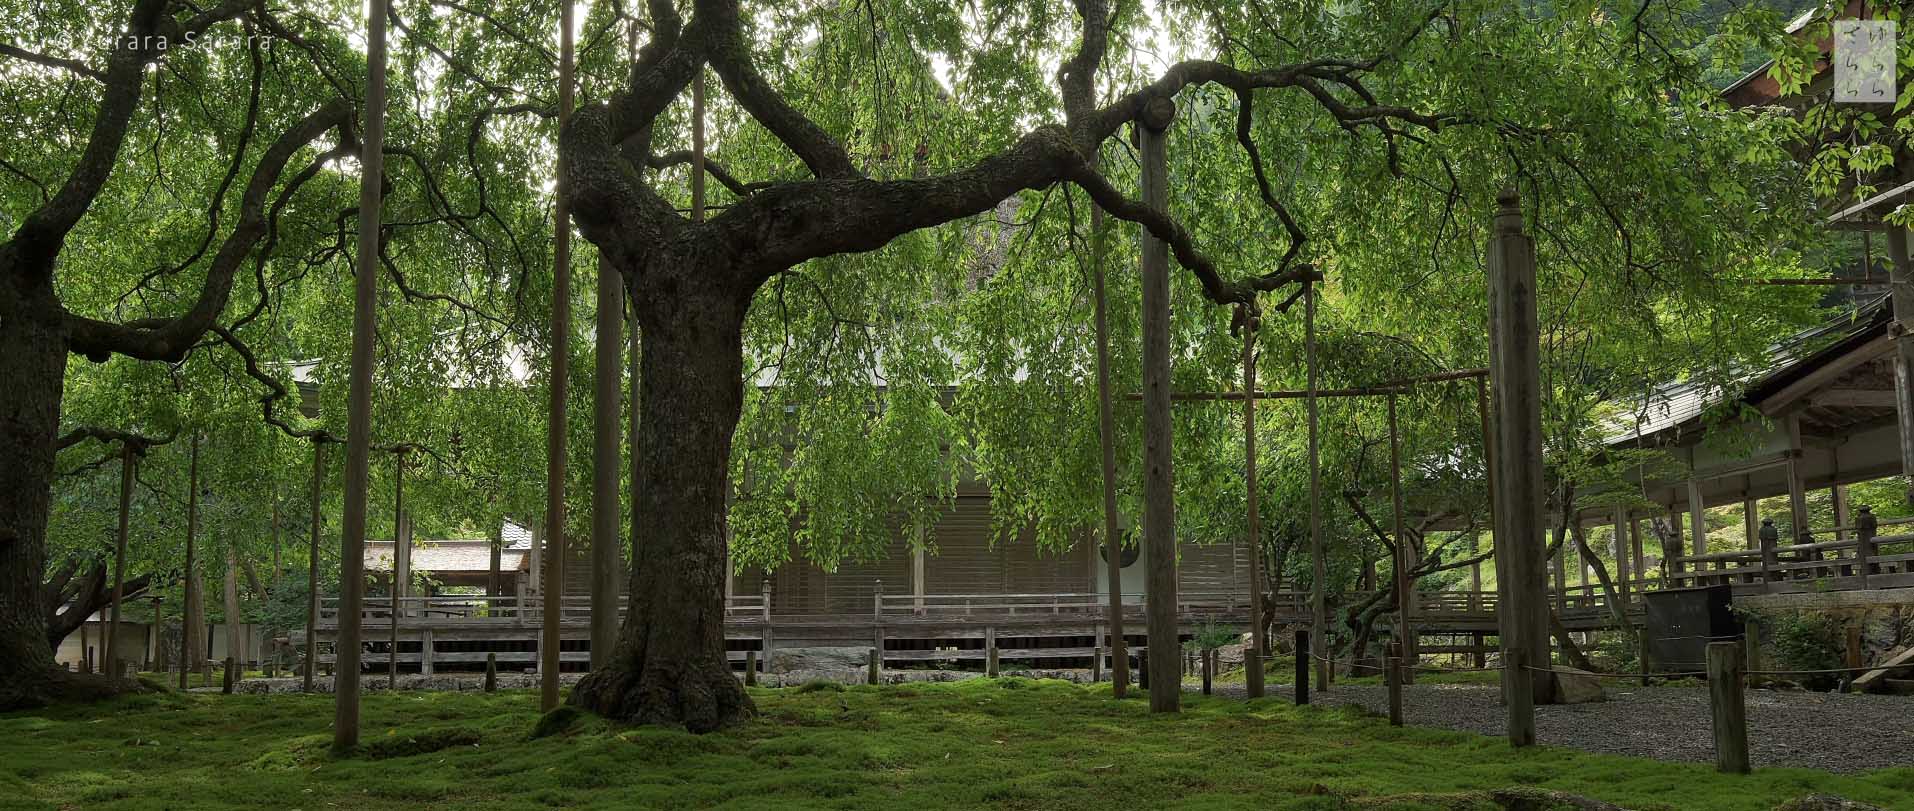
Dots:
{"x": 1672, "y": 404}
{"x": 463, "y": 555}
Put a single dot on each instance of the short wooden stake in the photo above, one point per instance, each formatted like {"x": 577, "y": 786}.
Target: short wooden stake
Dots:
{"x": 1096, "y": 664}
{"x": 1302, "y": 667}
{"x": 1730, "y": 713}
{"x": 1520, "y": 693}
{"x": 1641, "y": 653}
{"x": 750, "y": 668}
{"x": 877, "y": 664}
{"x": 226, "y": 682}
{"x": 1143, "y": 668}
{"x": 491, "y": 672}
{"x": 1751, "y": 639}
{"x": 990, "y": 661}
{"x": 1209, "y": 659}
{"x": 1392, "y": 675}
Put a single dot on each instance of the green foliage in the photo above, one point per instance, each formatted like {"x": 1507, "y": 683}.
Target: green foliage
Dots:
{"x": 1803, "y": 640}
{"x": 1210, "y": 636}
{"x": 882, "y": 384}
{"x": 935, "y": 746}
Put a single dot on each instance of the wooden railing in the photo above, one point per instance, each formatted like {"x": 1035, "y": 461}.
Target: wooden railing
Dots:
{"x": 888, "y": 606}
{"x": 1860, "y": 557}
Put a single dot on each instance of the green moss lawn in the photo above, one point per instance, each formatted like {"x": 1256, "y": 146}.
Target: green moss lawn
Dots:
{"x": 1011, "y": 743}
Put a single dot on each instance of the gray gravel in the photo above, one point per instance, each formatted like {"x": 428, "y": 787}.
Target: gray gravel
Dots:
{"x": 1831, "y": 731}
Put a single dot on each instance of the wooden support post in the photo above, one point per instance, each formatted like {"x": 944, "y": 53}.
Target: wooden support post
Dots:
{"x": 1516, "y": 370}
{"x": 1770, "y": 539}
{"x": 188, "y": 616}
{"x": 1751, "y": 640}
{"x": 1159, "y": 480}
{"x": 1730, "y": 713}
{"x": 1392, "y": 676}
{"x": 426, "y": 644}
{"x": 876, "y": 666}
{"x": 1253, "y": 658}
{"x": 1697, "y": 518}
{"x": 129, "y": 465}
{"x": 556, "y": 432}
{"x": 1302, "y": 667}
{"x": 1901, "y": 277}
{"x": 491, "y": 672}
{"x": 1318, "y": 566}
{"x": 1866, "y": 527}
{"x": 750, "y": 668}
{"x": 1479, "y": 641}
{"x": 1797, "y": 491}
{"x": 312, "y": 569}
{"x": 401, "y": 566}
{"x": 1520, "y": 694}
{"x": 1751, "y": 522}
{"x": 1641, "y": 654}
{"x": 1624, "y": 527}
{"x": 1404, "y": 558}
{"x": 1106, "y": 439}
{"x": 765, "y": 640}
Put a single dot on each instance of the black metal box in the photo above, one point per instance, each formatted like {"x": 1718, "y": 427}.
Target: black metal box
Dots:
{"x": 1681, "y": 622}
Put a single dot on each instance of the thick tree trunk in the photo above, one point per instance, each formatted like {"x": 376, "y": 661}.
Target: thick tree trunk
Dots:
{"x": 33, "y": 366}
{"x": 669, "y": 667}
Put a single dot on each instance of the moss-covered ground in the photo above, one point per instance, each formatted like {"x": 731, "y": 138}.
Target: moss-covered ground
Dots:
{"x": 1010, "y": 743}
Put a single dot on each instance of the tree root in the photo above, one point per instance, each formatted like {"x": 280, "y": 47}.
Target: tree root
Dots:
{"x": 697, "y": 699}
{"x": 49, "y": 686}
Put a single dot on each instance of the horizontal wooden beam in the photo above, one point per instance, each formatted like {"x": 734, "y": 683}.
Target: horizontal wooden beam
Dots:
{"x": 1863, "y": 398}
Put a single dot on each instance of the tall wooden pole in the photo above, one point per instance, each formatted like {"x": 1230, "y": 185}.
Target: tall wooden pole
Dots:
{"x": 1253, "y": 658}
{"x": 352, "y": 587}
{"x": 1106, "y": 440}
{"x": 129, "y": 465}
{"x": 1405, "y": 587}
{"x": 312, "y": 569}
{"x": 555, "y": 433}
{"x": 1159, "y": 480}
{"x": 191, "y": 590}
{"x": 1519, "y": 534}
{"x": 231, "y": 603}
{"x": 1901, "y": 276}
{"x": 401, "y": 567}
{"x": 607, "y": 559}
{"x": 1319, "y": 568}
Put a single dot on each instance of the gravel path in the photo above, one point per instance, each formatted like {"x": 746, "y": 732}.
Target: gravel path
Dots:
{"x": 1831, "y": 731}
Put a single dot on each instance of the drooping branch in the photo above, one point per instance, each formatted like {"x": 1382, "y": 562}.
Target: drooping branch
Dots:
{"x": 74, "y": 66}
{"x": 43, "y": 232}
{"x": 170, "y": 338}
{"x": 730, "y": 56}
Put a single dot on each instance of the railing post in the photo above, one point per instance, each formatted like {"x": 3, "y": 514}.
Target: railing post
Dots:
{"x": 1770, "y": 558}
{"x": 1730, "y": 714}
{"x": 1865, "y": 527}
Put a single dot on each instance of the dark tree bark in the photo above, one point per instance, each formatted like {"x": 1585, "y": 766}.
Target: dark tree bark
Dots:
{"x": 692, "y": 281}
{"x": 38, "y": 333}
{"x": 669, "y": 667}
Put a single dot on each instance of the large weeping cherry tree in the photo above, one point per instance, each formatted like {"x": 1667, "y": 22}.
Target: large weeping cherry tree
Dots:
{"x": 691, "y": 284}
{"x": 38, "y": 332}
